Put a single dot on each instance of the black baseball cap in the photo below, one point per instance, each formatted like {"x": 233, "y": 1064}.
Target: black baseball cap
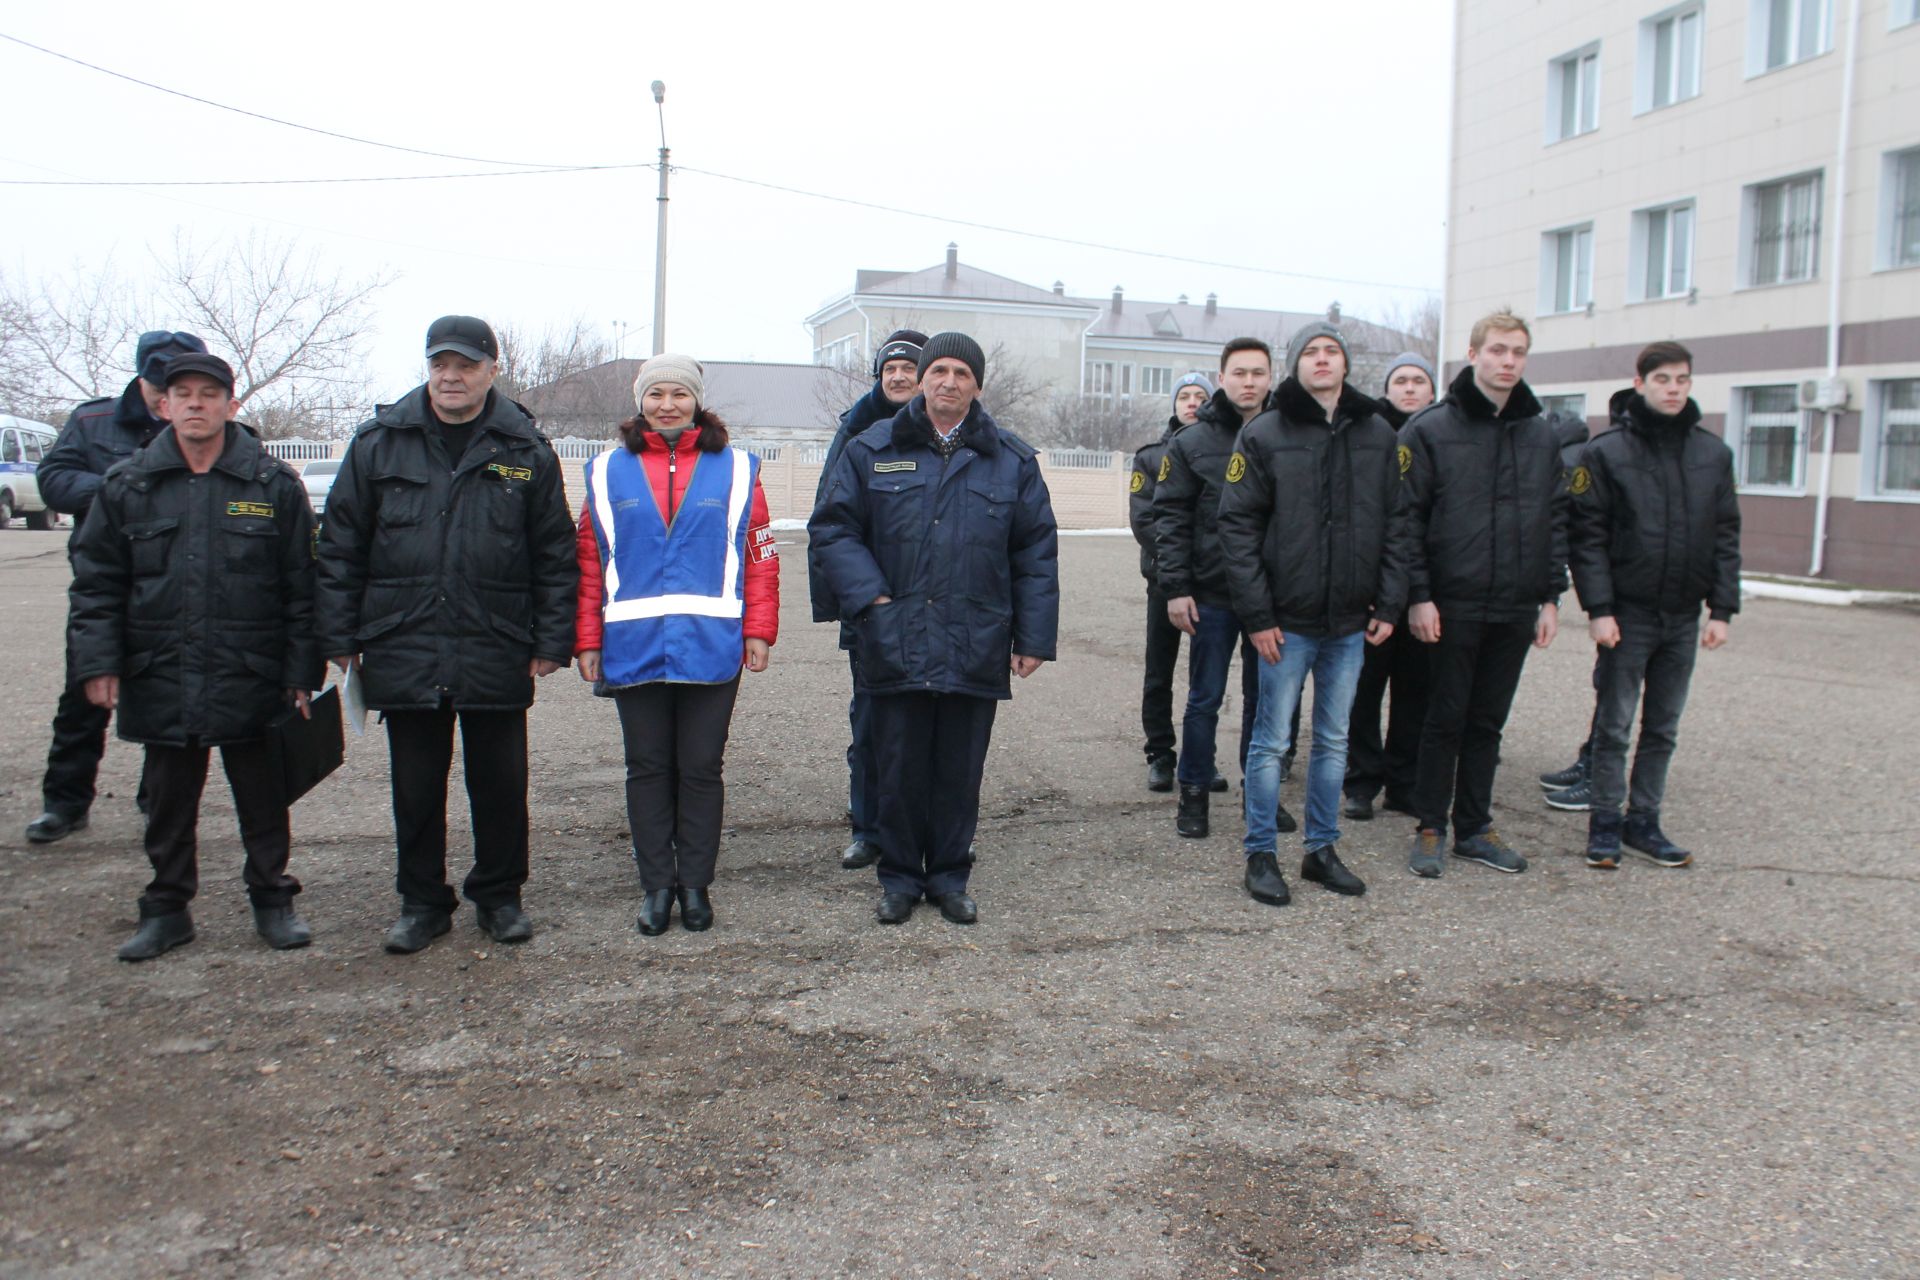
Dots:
{"x": 469, "y": 336}
{"x": 201, "y": 363}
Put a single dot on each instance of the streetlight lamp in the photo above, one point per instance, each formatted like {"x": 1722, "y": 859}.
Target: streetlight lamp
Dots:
{"x": 619, "y": 339}
{"x": 660, "y": 247}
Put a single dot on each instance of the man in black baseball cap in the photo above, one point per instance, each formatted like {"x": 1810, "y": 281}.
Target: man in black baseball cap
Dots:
{"x": 469, "y": 336}
{"x": 99, "y": 434}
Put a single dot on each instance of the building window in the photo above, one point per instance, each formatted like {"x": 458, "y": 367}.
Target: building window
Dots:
{"x": 1782, "y": 241}
{"x": 1099, "y": 377}
{"x": 1783, "y": 32}
{"x": 837, "y": 354}
{"x": 1573, "y": 94}
{"x": 1573, "y": 408}
{"x": 1662, "y": 252}
{"x": 1156, "y": 380}
{"x": 1897, "y": 439}
{"x": 1900, "y": 208}
{"x": 1771, "y": 438}
{"x": 1902, "y": 12}
{"x": 1669, "y": 66}
{"x": 1566, "y": 269}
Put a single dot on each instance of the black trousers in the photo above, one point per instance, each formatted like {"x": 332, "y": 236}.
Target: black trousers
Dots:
{"x": 1391, "y": 761}
{"x": 175, "y": 778}
{"x": 73, "y": 758}
{"x": 863, "y": 779}
{"x": 676, "y": 738}
{"x": 1156, "y": 690}
{"x": 1476, "y": 668}
{"x": 931, "y": 749}
{"x": 493, "y": 745}
{"x": 1654, "y": 658}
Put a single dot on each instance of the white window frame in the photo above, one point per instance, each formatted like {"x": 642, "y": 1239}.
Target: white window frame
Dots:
{"x": 1752, "y": 257}
{"x": 1902, "y": 13}
{"x": 1893, "y": 194}
{"x": 837, "y": 353}
{"x": 1873, "y": 434}
{"x": 1653, "y": 231}
{"x": 1738, "y": 414}
{"x": 1156, "y": 380}
{"x": 1582, "y": 67}
{"x": 1809, "y": 33}
{"x": 1573, "y": 238}
{"x": 1101, "y": 372}
{"x": 1646, "y": 78}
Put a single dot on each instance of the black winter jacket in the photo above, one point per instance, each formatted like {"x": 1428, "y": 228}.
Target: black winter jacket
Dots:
{"x": 197, "y": 591}
{"x": 1487, "y": 498}
{"x": 1140, "y": 487}
{"x": 1313, "y": 521}
{"x": 1192, "y": 473}
{"x": 1656, "y": 520}
{"x": 967, "y": 548}
{"x": 448, "y": 582}
{"x": 98, "y": 436}
{"x": 862, "y": 413}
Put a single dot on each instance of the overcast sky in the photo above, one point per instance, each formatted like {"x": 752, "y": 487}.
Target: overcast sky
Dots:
{"x": 1278, "y": 138}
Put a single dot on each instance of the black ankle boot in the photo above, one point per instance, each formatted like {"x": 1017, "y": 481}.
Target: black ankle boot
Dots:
{"x": 1192, "y": 819}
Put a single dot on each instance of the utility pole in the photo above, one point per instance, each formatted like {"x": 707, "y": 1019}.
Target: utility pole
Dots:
{"x": 660, "y": 247}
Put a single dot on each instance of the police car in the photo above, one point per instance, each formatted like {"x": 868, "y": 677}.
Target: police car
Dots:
{"x": 23, "y": 443}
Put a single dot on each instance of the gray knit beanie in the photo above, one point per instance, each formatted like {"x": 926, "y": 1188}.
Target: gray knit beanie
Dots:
{"x": 1415, "y": 359}
{"x": 1298, "y": 343}
{"x": 1194, "y": 379}
{"x": 667, "y": 367}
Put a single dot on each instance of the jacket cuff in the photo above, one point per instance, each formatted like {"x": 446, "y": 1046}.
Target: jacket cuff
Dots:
{"x": 1603, "y": 609}
{"x": 1720, "y": 615}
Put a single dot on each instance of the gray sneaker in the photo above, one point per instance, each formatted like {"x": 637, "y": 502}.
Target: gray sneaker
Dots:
{"x": 1577, "y": 798}
{"x": 1490, "y": 849}
{"x": 1425, "y": 860}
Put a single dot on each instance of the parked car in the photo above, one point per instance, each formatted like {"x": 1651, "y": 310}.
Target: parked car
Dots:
{"x": 318, "y": 476}
{"x": 23, "y": 443}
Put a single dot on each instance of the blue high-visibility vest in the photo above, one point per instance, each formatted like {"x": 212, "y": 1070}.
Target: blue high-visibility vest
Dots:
{"x": 675, "y": 595}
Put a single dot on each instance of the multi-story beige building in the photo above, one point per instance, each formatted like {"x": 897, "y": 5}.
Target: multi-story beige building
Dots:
{"x": 1742, "y": 176}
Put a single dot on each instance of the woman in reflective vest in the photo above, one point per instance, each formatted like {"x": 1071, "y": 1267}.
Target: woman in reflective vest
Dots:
{"x": 679, "y": 588}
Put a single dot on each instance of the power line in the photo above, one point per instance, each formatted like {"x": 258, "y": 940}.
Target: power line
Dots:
{"x": 291, "y": 124}
{"x": 297, "y": 182}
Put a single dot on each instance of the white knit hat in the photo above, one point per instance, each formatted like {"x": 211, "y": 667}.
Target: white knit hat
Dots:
{"x": 667, "y": 367}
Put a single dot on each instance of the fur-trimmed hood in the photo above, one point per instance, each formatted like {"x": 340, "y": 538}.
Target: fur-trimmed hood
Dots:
{"x": 1295, "y": 403}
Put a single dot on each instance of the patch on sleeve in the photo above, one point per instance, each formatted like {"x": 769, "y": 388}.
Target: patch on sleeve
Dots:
{"x": 1138, "y": 482}
{"x": 1580, "y": 481}
{"x": 1236, "y": 467}
{"x": 263, "y": 510}
{"x": 1406, "y": 459}
{"x": 1166, "y": 467}
{"x": 882, "y": 468}
{"x": 761, "y": 545}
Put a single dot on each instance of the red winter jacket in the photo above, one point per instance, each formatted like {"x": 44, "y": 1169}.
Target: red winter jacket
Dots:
{"x": 762, "y": 587}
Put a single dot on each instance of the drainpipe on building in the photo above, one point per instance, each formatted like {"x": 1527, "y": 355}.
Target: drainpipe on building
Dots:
{"x": 1825, "y": 499}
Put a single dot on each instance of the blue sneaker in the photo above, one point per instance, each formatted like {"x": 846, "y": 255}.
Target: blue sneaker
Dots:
{"x": 1488, "y": 848}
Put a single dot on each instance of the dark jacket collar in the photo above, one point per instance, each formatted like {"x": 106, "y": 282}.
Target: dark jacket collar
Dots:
{"x": 131, "y": 412}
{"x": 913, "y": 429}
{"x": 1631, "y": 409}
{"x": 501, "y": 415}
{"x": 1220, "y": 412}
{"x": 241, "y": 456}
{"x": 1394, "y": 417}
{"x": 1296, "y": 404}
{"x": 1464, "y": 392}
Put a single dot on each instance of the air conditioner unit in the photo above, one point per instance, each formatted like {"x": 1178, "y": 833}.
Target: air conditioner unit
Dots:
{"x": 1824, "y": 395}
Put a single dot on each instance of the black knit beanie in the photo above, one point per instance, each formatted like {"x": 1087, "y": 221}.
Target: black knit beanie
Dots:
{"x": 901, "y": 344}
{"x": 955, "y": 346}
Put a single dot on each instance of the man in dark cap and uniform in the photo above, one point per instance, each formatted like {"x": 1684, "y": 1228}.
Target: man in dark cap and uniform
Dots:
{"x": 98, "y": 434}
{"x": 937, "y": 540}
{"x": 192, "y": 610}
{"x": 896, "y": 375}
{"x": 448, "y": 580}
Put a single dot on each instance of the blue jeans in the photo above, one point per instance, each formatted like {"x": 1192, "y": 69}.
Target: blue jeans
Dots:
{"x": 1209, "y": 655}
{"x": 1335, "y": 666}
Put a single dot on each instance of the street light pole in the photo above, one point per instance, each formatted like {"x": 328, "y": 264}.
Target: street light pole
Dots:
{"x": 660, "y": 247}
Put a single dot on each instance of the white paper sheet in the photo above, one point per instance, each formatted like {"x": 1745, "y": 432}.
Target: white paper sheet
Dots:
{"x": 353, "y": 700}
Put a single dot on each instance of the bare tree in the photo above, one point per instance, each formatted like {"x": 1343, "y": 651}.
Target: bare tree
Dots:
{"x": 528, "y": 361}
{"x": 1014, "y": 394}
{"x": 64, "y": 339}
{"x": 1098, "y": 422}
{"x": 850, "y": 379}
{"x": 1418, "y": 322}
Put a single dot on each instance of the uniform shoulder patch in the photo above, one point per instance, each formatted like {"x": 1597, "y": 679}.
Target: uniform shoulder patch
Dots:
{"x": 1166, "y": 467}
{"x": 1236, "y": 467}
{"x": 883, "y": 468}
{"x": 1138, "y": 482}
{"x": 1405, "y": 454}
{"x": 1580, "y": 481}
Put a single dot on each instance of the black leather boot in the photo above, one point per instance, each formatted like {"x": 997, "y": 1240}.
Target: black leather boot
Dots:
{"x": 1323, "y": 866}
{"x": 656, "y": 912}
{"x": 696, "y": 910}
{"x": 282, "y": 927}
{"x": 415, "y": 929}
{"x": 158, "y": 935}
{"x": 1192, "y": 818}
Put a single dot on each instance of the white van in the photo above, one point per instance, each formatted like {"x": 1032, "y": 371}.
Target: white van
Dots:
{"x": 23, "y": 443}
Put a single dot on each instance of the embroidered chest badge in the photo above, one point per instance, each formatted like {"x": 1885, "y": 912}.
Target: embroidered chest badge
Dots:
{"x": 883, "y": 468}
{"x": 263, "y": 510}
{"x": 510, "y": 473}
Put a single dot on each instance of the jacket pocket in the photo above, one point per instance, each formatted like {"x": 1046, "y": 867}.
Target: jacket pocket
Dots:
{"x": 380, "y": 626}
{"x": 401, "y": 499}
{"x": 247, "y": 547}
{"x": 150, "y": 544}
{"x": 898, "y": 502}
{"x": 989, "y": 508}
{"x": 886, "y": 643}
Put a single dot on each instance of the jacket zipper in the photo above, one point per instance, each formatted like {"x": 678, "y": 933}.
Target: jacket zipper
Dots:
{"x": 673, "y": 466}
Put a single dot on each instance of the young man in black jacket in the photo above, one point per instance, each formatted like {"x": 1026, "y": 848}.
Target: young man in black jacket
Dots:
{"x": 1313, "y": 528}
{"x": 896, "y": 376}
{"x": 99, "y": 435}
{"x": 1656, "y": 533}
{"x": 1377, "y": 760}
{"x": 1487, "y": 499}
{"x": 1192, "y": 573}
{"x": 1163, "y": 638}
{"x": 192, "y": 616}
